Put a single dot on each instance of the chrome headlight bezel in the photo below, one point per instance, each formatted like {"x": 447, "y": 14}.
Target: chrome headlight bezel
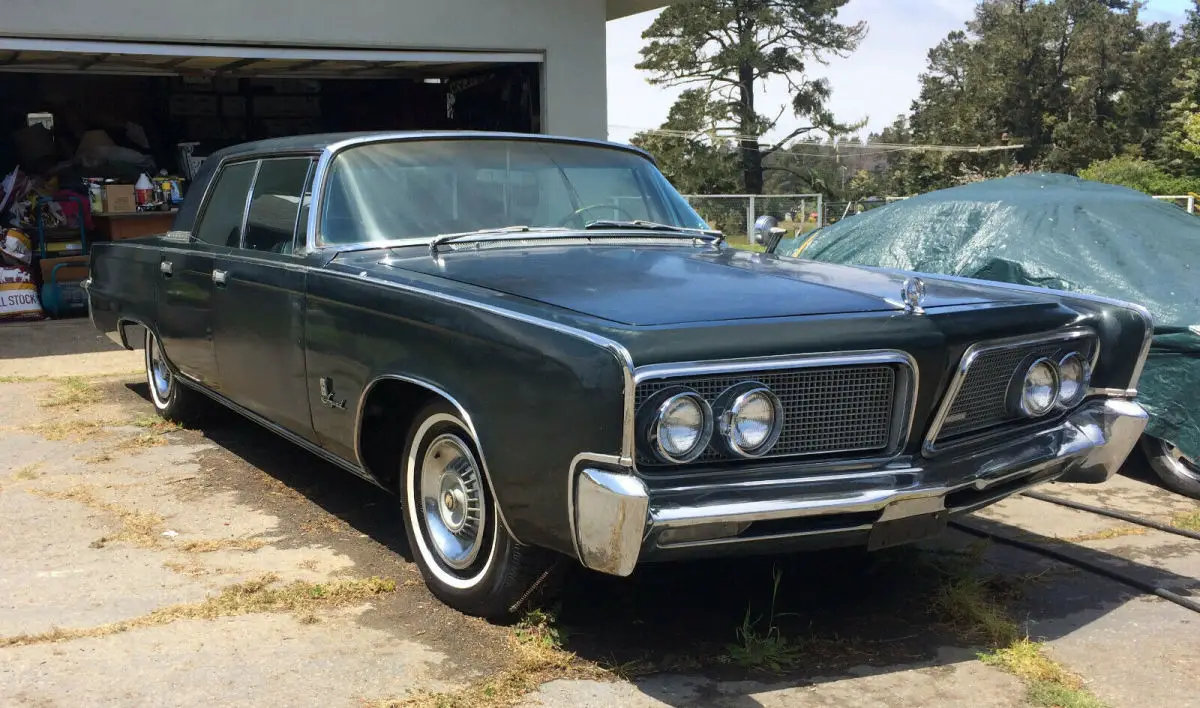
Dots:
{"x": 726, "y": 409}
{"x": 1021, "y": 400}
{"x": 1068, "y": 360}
{"x": 651, "y": 416}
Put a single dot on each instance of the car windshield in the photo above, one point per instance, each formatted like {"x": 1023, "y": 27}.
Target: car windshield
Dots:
{"x": 419, "y": 189}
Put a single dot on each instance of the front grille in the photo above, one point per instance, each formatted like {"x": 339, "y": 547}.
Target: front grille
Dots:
{"x": 827, "y": 411}
{"x": 982, "y": 400}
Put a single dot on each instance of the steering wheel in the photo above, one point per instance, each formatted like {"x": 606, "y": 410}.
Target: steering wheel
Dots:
{"x": 581, "y": 210}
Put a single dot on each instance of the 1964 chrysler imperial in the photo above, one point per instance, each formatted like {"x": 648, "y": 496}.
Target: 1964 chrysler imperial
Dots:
{"x": 544, "y": 351}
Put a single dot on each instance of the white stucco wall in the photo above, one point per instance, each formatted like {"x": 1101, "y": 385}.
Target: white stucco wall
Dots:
{"x": 571, "y": 33}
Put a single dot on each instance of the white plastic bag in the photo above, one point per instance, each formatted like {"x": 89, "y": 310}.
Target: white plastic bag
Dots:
{"x": 15, "y": 248}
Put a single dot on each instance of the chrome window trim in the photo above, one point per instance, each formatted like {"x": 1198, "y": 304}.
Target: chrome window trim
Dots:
{"x": 331, "y": 151}
{"x": 901, "y": 432}
{"x": 929, "y": 447}
{"x": 241, "y": 244}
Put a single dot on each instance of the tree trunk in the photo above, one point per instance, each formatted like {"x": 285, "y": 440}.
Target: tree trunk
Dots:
{"x": 752, "y": 163}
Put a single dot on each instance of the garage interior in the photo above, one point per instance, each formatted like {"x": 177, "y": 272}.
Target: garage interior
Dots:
{"x": 82, "y": 123}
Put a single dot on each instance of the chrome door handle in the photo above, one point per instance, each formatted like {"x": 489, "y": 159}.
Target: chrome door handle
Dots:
{"x": 219, "y": 276}
{"x": 164, "y": 267}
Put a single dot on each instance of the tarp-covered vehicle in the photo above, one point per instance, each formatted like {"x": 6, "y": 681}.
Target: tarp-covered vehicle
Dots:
{"x": 1062, "y": 232}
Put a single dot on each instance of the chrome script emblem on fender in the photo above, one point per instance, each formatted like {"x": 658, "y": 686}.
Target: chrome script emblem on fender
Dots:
{"x": 913, "y": 295}
{"x": 327, "y": 397}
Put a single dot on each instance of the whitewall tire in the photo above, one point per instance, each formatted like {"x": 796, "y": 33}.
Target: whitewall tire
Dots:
{"x": 172, "y": 400}
{"x": 457, "y": 537}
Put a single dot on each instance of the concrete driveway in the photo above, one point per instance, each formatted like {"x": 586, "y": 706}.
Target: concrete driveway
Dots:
{"x": 146, "y": 565}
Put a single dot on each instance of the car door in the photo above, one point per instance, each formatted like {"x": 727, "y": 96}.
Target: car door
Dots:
{"x": 259, "y": 300}
{"x": 185, "y": 294}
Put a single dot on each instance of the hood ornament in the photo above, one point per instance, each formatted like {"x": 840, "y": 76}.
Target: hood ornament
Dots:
{"x": 912, "y": 295}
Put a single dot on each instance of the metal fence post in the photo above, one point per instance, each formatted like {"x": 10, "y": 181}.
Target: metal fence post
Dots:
{"x": 1191, "y": 204}
{"x": 750, "y": 216}
{"x": 820, "y": 210}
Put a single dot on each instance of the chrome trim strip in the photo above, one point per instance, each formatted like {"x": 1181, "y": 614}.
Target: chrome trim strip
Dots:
{"x": 622, "y": 355}
{"x": 241, "y": 244}
{"x": 739, "y": 540}
{"x": 434, "y": 388}
{"x": 279, "y": 430}
{"x": 1113, "y": 392}
{"x": 929, "y": 447}
{"x": 901, "y": 431}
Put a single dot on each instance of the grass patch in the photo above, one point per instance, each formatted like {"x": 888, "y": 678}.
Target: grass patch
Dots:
{"x": 19, "y": 379}
{"x": 70, "y": 429}
{"x": 139, "y": 442}
{"x": 1115, "y": 532}
{"x": 537, "y": 657}
{"x": 766, "y": 648}
{"x": 1050, "y": 684}
{"x": 72, "y": 391}
{"x": 141, "y": 529}
{"x": 223, "y": 544}
{"x": 1189, "y": 521}
{"x": 254, "y": 596}
{"x": 977, "y": 607}
{"x": 28, "y": 472}
{"x": 155, "y": 423}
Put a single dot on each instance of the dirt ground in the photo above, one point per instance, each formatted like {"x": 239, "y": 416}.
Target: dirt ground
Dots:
{"x": 142, "y": 564}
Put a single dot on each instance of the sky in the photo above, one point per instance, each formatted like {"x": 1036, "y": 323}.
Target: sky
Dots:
{"x": 876, "y": 83}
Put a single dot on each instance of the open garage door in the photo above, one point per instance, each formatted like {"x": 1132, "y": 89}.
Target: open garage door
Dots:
{"x": 156, "y": 97}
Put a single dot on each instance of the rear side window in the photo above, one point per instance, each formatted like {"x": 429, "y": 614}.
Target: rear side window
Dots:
{"x": 278, "y": 190}
{"x": 221, "y": 222}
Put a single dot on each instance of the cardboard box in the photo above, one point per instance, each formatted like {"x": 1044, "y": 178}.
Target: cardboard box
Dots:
{"x": 76, "y": 270}
{"x": 119, "y": 199}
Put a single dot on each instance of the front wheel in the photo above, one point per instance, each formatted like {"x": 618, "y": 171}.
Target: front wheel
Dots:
{"x": 466, "y": 556}
{"x": 1178, "y": 472}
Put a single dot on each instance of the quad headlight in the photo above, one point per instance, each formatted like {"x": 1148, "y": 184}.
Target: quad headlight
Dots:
{"x": 749, "y": 419}
{"x": 1040, "y": 389}
{"x": 1074, "y": 375}
{"x": 678, "y": 425}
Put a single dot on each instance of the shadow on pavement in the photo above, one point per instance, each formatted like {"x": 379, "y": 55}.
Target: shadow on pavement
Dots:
{"x": 29, "y": 340}
{"x": 840, "y": 609}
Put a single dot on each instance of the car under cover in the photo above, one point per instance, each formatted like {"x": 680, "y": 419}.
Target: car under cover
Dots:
{"x": 1054, "y": 231}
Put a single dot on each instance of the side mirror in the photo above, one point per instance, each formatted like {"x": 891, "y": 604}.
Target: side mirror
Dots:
{"x": 767, "y": 232}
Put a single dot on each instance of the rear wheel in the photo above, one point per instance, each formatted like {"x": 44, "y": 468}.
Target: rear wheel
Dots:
{"x": 466, "y": 556}
{"x": 171, "y": 400}
{"x": 1177, "y": 471}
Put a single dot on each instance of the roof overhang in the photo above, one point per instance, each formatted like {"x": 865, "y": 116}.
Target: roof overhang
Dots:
{"x": 624, "y": 8}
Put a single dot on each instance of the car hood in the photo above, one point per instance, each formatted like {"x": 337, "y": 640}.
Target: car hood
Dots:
{"x": 664, "y": 285}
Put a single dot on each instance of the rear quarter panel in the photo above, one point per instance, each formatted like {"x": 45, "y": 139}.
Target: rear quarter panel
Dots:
{"x": 537, "y": 397}
{"x": 124, "y": 281}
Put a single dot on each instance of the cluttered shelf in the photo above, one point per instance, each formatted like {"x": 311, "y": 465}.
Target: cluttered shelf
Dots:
{"x": 53, "y": 209}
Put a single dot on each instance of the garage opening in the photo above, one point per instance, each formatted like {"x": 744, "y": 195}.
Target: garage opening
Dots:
{"x": 99, "y": 140}
{"x": 168, "y": 100}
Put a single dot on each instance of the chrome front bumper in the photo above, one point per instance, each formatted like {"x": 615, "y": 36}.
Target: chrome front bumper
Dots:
{"x": 620, "y": 521}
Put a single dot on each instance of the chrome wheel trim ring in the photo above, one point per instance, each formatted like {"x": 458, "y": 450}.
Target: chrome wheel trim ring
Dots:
{"x": 1171, "y": 456}
{"x": 158, "y": 372}
{"x": 440, "y": 573}
{"x": 452, "y": 501}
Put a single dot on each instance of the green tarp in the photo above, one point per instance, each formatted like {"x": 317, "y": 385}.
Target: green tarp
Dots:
{"x": 1053, "y": 231}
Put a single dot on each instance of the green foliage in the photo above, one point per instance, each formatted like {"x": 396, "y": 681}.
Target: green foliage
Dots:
{"x": 725, "y": 50}
{"x": 1140, "y": 174}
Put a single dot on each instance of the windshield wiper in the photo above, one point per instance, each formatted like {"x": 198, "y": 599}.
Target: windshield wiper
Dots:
{"x": 448, "y": 238}
{"x": 642, "y": 224}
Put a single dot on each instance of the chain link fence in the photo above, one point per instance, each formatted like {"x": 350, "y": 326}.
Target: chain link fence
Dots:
{"x": 735, "y": 214}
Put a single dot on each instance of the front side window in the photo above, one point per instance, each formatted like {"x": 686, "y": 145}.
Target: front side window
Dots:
{"x": 275, "y": 203}
{"x": 221, "y": 222}
{"x": 421, "y": 189}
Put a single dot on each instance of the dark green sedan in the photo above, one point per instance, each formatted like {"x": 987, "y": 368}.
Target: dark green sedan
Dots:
{"x": 547, "y": 355}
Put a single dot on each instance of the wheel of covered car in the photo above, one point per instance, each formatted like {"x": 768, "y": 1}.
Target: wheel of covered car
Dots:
{"x": 1177, "y": 471}
{"x": 467, "y": 557}
{"x": 172, "y": 401}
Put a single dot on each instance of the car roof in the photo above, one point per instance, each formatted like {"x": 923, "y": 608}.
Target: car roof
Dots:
{"x": 319, "y": 142}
